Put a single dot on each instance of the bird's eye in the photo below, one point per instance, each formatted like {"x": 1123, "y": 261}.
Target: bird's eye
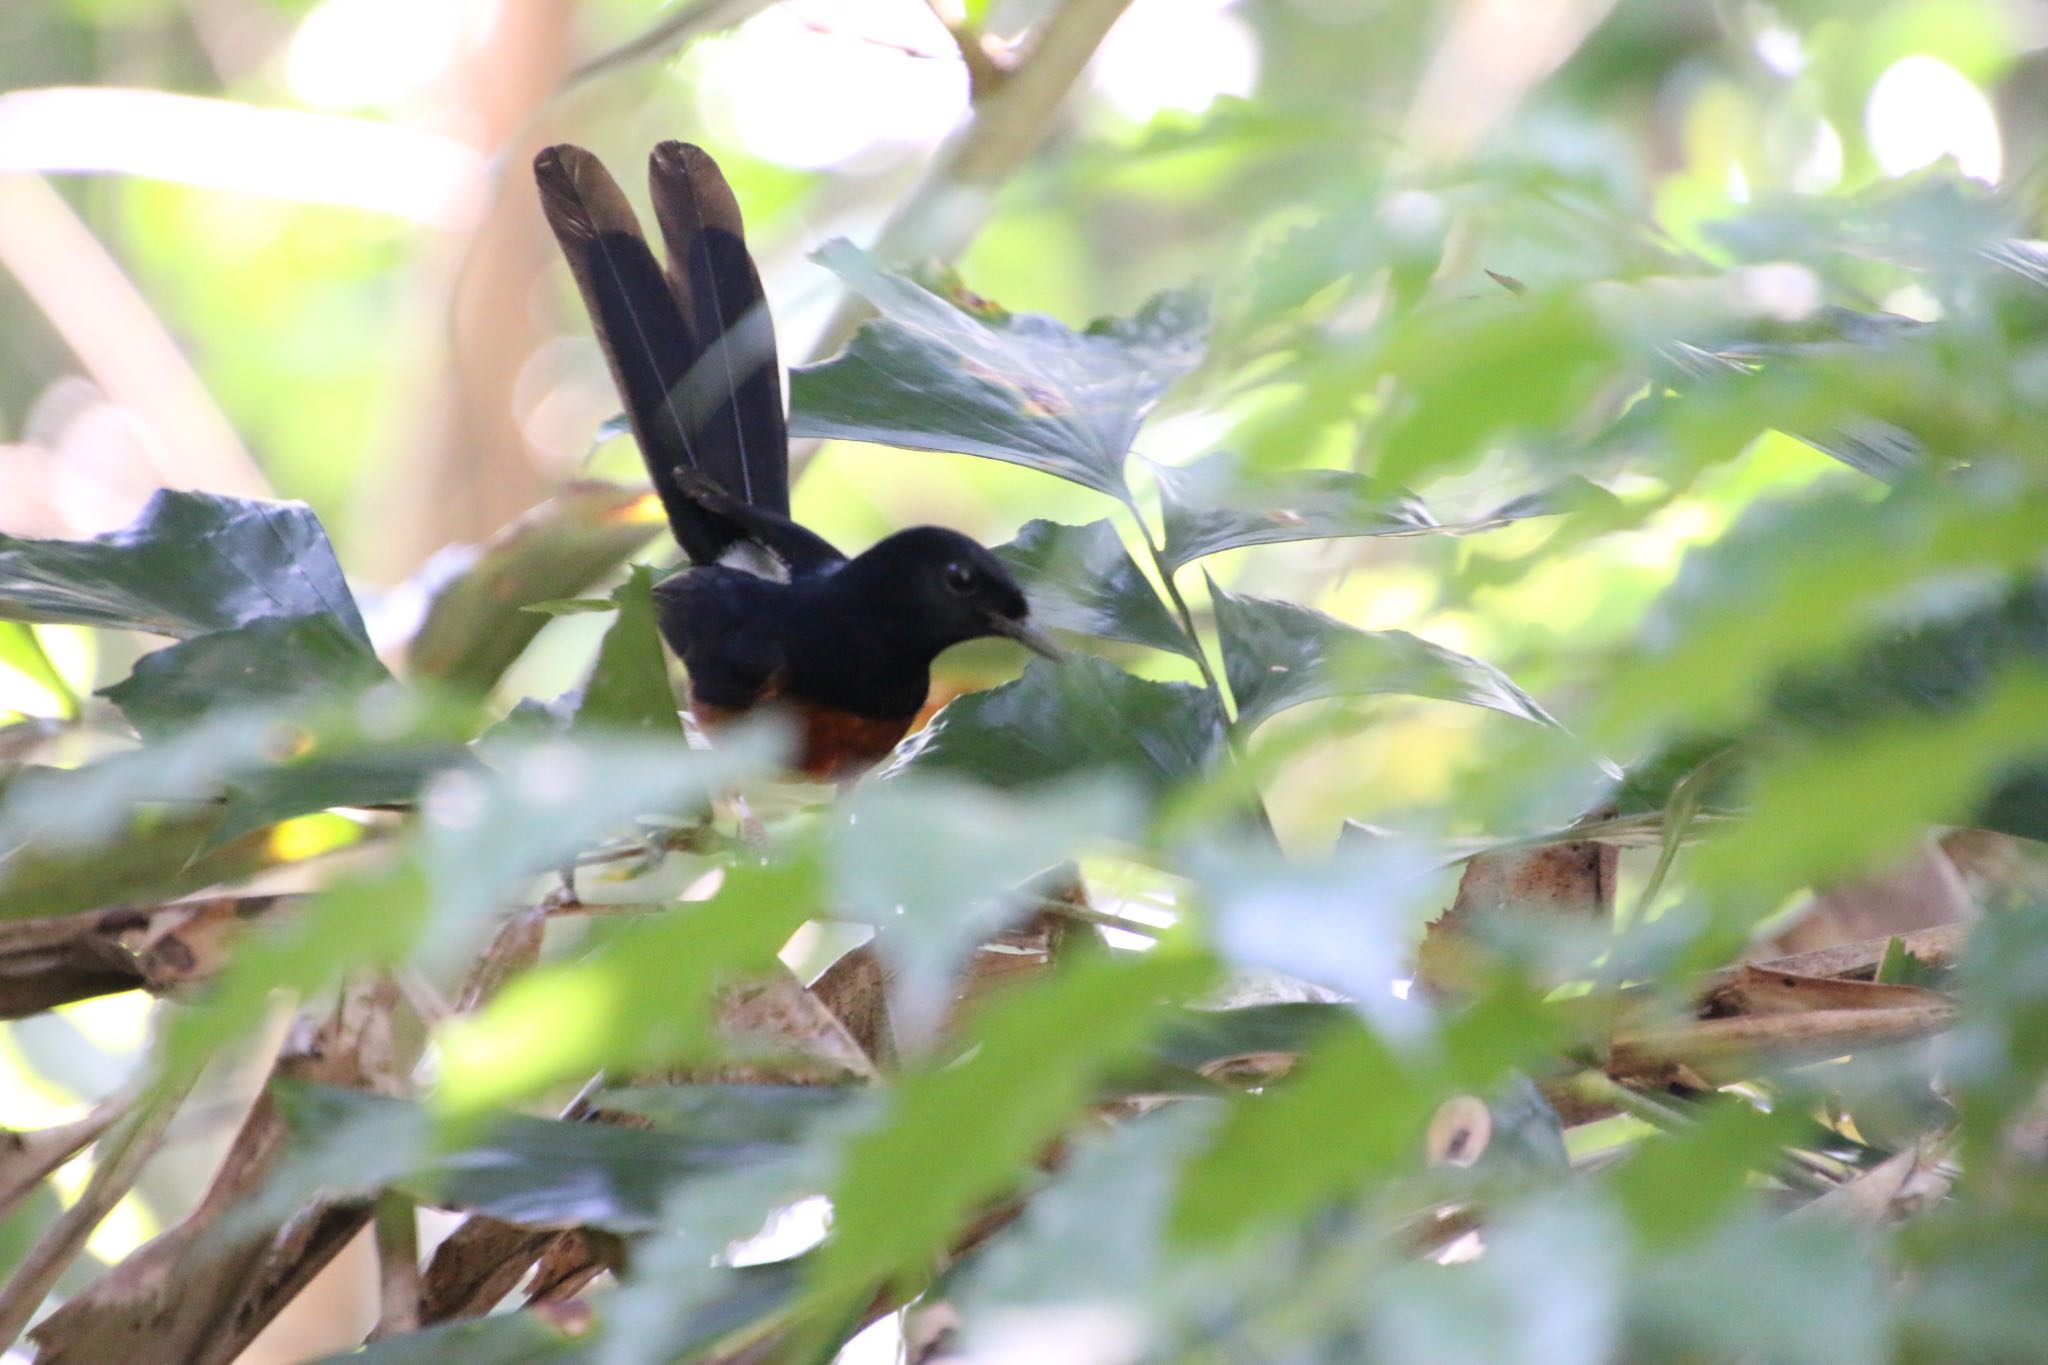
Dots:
{"x": 961, "y": 577}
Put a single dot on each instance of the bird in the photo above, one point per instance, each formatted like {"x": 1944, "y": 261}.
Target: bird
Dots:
{"x": 768, "y": 615}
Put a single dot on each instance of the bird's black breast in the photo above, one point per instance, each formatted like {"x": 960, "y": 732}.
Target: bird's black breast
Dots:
{"x": 743, "y": 638}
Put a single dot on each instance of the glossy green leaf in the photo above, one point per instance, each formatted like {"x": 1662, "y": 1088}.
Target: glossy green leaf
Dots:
{"x": 1277, "y": 655}
{"x": 476, "y": 624}
{"x": 1220, "y": 503}
{"x": 1217, "y": 503}
{"x": 1196, "y": 1038}
{"x": 272, "y": 663}
{"x": 932, "y": 374}
{"x": 1082, "y": 579}
{"x": 129, "y": 821}
{"x": 189, "y": 564}
{"x": 1883, "y": 450}
{"x": 628, "y": 689}
{"x": 1083, "y": 716}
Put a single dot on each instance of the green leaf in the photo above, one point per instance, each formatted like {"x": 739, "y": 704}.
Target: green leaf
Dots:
{"x": 1083, "y": 716}
{"x": 722, "y": 1113}
{"x": 189, "y": 564}
{"x": 542, "y": 1172}
{"x": 959, "y": 1134}
{"x": 936, "y": 865}
{"x": 540, "y": 804}
{"x": 1093, "y": 1235}
{"x": 1351, "y": 1110}
{"x": 628, "y": 688}
{"x": 572, "y": 606}
{"x": 933, "y": 375}
{"x": 1277, "y": 655}
{"x": 1218, "y": 503}
{"x": 1802, "y": 585}
{"x": 503, "y": 1339}
{"x": 1082, "y": 579}
{"x": 271, "y": 663}
{"x": 1679, "y": 1186}
{"x": 1847, "y": 801}
{"x": 125, "y": 825}
{"x": 1804, "y": 1291}
{"x": 1200, "y": 1037}
{"x": 1548, "y": 1291}
{"x": 23, "y": 652}
{"x": 643, "y": 999}
{"x": 476, "y": 624}
{"x": 1467, "y": 372}
{"x": 1348, "y": 921}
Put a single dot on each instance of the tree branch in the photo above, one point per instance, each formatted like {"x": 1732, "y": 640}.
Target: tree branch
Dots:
{"x": 1012, "y": 116}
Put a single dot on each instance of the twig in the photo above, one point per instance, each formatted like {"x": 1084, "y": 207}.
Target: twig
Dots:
{"x": 26, "y": 1158}
{"x": 1599, "y": 1091}
{"x": 1899, "y": 1187}
{"x": 1012, "y": 116}
{"x": 1706, "y": 1043}
{"x": 396, "y": 1221}
{"x": 984, "y": 70}
{"x": 120, "y": 1161}
{"x": 666, "y": 36}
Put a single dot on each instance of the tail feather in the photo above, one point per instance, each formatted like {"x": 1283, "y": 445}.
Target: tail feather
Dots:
{"x": 648, "y": 341}
{"x": 734, "y": 388}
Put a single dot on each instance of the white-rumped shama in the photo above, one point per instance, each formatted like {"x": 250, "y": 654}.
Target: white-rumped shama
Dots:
{"x": 768, "y": 613}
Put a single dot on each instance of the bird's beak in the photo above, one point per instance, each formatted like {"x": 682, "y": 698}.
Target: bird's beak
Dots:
{"x": 1031, "y": 637}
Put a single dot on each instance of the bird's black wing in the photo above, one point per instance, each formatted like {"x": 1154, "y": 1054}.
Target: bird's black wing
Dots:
{"x": 734, "y": 388}
{"x": 799, "y": 550}
{"x": 648, "y": 341}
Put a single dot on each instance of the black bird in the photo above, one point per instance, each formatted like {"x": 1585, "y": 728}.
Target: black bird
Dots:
{"x": 769, "y": 613}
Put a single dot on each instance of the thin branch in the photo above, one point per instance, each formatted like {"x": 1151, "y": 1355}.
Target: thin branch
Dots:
{"x": 660, "y": 39}
{"x": 1012, "y": 117}
{"x": 396, "y": 1221}
{"x": 120, "y": 1160}
{"x": 27, "y": 1158}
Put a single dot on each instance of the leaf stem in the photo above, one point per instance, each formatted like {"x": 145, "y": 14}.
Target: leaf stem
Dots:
{"x": 1180, "y": 607}
{"x": 1225, "y": 702}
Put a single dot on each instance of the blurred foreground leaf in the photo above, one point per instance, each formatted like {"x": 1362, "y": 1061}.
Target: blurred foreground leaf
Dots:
{"x": 1034, "y": 1056}
{"x": 475, "y": 625}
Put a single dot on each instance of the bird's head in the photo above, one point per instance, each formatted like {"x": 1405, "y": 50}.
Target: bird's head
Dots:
{"x": 947, "y": 588}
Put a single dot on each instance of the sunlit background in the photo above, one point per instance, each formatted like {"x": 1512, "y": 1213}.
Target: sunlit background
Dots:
{"x": 288, "y": 248}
